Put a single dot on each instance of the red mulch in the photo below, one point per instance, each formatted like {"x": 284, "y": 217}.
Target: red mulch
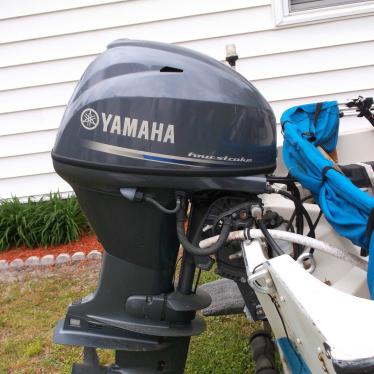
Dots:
{"x": 86, "y": 244}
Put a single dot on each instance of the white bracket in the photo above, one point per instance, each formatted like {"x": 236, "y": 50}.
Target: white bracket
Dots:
{"x": 261, "y": 281}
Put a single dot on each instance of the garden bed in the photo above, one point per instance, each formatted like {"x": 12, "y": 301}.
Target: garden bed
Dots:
{"x": 86, "y": 244}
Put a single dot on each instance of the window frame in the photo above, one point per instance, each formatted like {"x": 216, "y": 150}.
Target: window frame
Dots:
{"x": 283, "y": 16}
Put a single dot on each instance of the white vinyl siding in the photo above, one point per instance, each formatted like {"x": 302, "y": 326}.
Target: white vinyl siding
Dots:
{"x": 46, "y": 45}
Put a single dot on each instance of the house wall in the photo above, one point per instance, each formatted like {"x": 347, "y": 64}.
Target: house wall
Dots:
{"x": 46, "y": 45}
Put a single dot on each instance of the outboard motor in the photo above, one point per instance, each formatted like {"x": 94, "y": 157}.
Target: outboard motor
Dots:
{"x": 163, "y": 146}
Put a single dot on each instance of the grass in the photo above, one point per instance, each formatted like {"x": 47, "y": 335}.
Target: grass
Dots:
{"x": 40, "y": 223}
{"x": 30, "y": 309}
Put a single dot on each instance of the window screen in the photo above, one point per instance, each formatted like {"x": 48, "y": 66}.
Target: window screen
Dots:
{"x": 296, "y": 5}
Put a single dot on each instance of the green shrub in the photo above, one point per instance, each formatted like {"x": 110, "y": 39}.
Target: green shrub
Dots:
{"x": 40, "y": 223}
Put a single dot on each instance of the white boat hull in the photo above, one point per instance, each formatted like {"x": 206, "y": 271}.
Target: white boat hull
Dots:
{"x": 322, "y": 322}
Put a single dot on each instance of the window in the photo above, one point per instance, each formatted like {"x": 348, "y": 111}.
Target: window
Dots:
{"x": 293, "y": 12}
{"x": 297, "y": 5}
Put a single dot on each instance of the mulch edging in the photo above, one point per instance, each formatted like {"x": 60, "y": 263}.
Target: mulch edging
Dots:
{"x": 88, "y": 247}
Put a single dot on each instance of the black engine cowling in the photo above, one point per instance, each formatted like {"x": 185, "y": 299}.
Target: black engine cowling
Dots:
{"x": 152, "y": 108}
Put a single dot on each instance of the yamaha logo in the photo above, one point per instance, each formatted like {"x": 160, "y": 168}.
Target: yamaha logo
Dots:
{"x": 89, "y": 119}
{"x": 129, "y": 127}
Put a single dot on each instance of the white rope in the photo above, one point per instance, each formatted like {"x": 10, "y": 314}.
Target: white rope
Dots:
{"x": 294, "y": 238}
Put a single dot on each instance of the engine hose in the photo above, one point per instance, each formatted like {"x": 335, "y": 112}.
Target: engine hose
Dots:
{"x": 162, "y": 208}
{"x": 272, "y": 243}
{"x": 189, "y": 247}
{"x": 298, "y": 205}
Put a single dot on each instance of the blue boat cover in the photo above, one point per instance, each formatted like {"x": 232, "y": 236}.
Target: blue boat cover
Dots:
{"x": 349, "y": 210}
{"x": 294, "y": 360}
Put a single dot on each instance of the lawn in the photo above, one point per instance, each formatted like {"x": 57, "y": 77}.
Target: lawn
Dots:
{"x": 29, "y": 310}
